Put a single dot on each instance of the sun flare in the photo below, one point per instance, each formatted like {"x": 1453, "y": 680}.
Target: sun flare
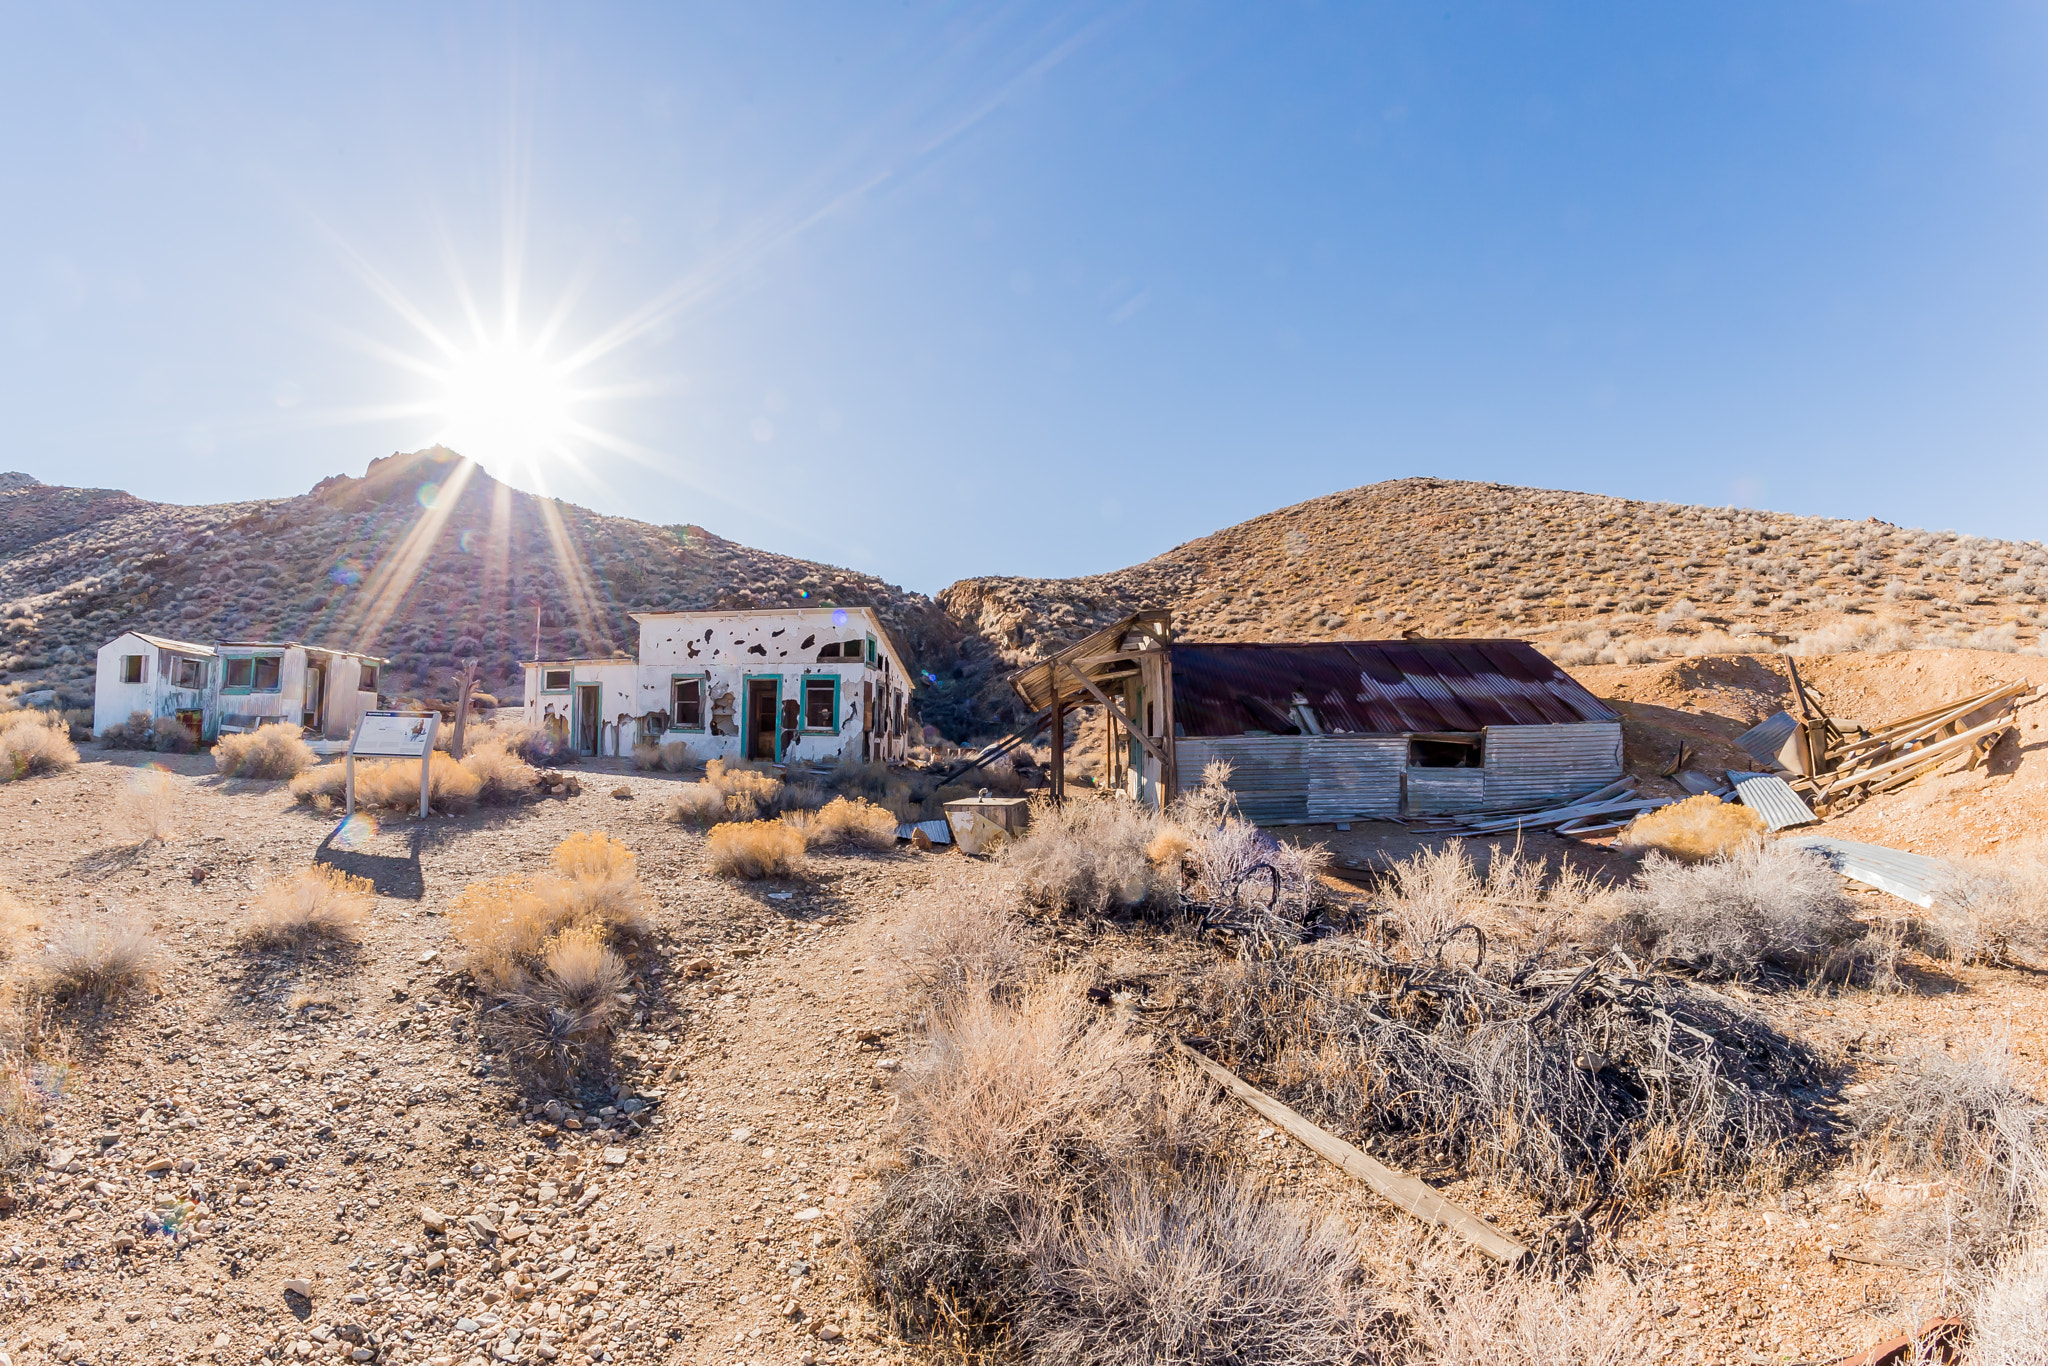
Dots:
{"x": 505, "y": 406}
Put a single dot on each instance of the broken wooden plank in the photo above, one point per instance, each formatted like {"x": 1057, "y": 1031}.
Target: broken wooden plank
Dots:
{"x": 1565, "y": 815}
{"x": 1417, "y": 1197}
{"x": 1953, "y": 745}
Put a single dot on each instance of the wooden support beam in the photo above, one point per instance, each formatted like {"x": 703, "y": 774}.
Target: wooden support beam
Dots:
{"x": 1059, "y": 744}
{"x": 1951, "y": 745}
{"x": 1116, "y": 711}
{"x": 1417, "y": 1197}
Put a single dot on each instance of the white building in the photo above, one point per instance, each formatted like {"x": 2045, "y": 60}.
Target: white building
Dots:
{"x": 777, "y": 685}
{"x": 161, "y": 678}
{"x": 236, "y": 685}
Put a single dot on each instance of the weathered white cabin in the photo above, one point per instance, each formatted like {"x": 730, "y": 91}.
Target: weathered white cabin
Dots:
{"x": 234, "y": 686}
{"x": 775, "y": 684}
{"x": 159, "y": 677}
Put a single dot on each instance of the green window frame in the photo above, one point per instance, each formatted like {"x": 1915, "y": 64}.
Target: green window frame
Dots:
{"x": 747, "y": 682}
{"x": 243, "y": 674}
{"x": 568, "y": 677}
{"x": 675, "y": 706}
{"x": 871, "y": 650}
{"x": 821, "y": 683}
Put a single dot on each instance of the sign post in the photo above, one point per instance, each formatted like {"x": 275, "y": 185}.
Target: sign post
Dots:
{"x": 393, "y": 735}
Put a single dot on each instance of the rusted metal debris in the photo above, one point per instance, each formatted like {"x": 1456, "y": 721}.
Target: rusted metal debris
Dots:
{"x": 1936, "y": 1341}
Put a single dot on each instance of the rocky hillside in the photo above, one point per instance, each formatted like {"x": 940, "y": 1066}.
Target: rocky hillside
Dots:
{"x": 1589, "y": 578}
{"x": 425, "y": 559}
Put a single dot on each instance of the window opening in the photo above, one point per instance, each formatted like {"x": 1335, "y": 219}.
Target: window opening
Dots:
{"x": 131, "y": 668}
{"x": 554, "y": 680}
{"x": 241, "y": 674}
{"x": 191, "y": 673}
{"x": 1447, "y": 751}
{"x": 269, "y": 673}
{"x": 687, "y": 696}
{"x": 821, "y": 704}
{"x": 368, "y": 681}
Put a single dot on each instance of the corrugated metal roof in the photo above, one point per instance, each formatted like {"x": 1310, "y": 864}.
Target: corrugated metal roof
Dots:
{"x": 1768, "y": 736}
{"x": 1376, "y": 687}
{"x": 181, "y": 646}
{"x": 1909, "y": 877}
{"x": 1772, "y": 798}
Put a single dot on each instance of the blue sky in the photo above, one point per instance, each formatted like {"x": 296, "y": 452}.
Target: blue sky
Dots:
{"x": 942, "y": 290}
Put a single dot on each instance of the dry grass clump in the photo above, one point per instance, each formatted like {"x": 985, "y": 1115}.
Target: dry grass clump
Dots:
{"x": 848, "y": 824}
{"x": 1969, "y": 1118}
{"x": 1433, "y": 899}
{"x": 1060, "y": 1192}
{"x": 96, "y": 962}
{"x": 274, "y": 751}
{"x": 147, "y": 808}
{"x": 1765, "y": 908}
{"x": 749, "y": 793}
{"x": 2009, "y": 1310}
{"x": 541, "y": 949}
{"x": 33, "y": 743}
{"x": 1990, "y": 911}
{"x": 754, "y": 850}
{"x": 530, "y": 744}
{"x": 1089, "y": 856}
{"x": 962, "y": 945}
{"x": 490, "y": 774}
{"x": 1457, "y": 1317}
{"x": 697, "y": 804}
{"x": 669, "y": 756}
{"x": 1694, "y": 830}
{"x": 320, "y": 902}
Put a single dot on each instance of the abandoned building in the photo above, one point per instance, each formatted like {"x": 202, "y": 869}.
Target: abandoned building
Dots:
{"x": 774, "y": 685}
{"x": 233, "y": 685}
{"x": 1334, "y": 730}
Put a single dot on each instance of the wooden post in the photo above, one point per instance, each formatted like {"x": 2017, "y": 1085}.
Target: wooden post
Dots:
{"x": 465, "y": 684}
{"x": 1170, "y": 792}
{"x": 1059, "y": 741}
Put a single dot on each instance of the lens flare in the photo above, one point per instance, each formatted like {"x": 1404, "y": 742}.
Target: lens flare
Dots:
{"x": 428, "y": 495}
{"x": 355, "y": 832}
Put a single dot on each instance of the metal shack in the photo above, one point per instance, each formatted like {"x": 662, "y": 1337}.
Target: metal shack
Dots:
{"x": 161, "y": 678}
{"x": 1338, "y": 729}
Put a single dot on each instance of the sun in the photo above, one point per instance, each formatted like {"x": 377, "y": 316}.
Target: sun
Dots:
{"x": 505, "y": 406}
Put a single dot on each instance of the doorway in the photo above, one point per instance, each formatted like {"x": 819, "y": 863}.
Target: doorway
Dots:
{"x": 764, "y": 696}
{"x": 194, "y": 724}
{"x": 316, "y": 690}
{"x": 588, "y": 701}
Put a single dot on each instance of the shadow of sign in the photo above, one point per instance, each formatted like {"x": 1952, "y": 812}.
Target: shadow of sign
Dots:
{"x": 393, "y": 875}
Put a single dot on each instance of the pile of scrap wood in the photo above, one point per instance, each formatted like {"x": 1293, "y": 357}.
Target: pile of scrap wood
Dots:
{"x": 1837, "y": 764}
{"x": 1606, "y": 808}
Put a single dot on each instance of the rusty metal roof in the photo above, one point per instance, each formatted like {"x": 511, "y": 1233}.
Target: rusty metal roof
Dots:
{"x": 1375, "y": 687}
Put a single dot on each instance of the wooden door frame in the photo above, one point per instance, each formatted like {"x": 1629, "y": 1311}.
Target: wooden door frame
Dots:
{"x": 580, "y": 690}
{"x": 747, "y": 682}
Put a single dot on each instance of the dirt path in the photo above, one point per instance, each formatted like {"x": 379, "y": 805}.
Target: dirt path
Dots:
{"x": 237, "y": 1164}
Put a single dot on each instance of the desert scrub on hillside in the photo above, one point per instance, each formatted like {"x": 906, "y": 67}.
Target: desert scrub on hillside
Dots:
{"x": 319, "y": 902}
{"x": 1061, "y": 1192}
{"x": 273, "y": 751}
{"x": 1764, "y": 909}
{"x": 754, "y": 849}
{"x": 1694, "y": 830}
{"x": 542, "y": 951}
{"x": 32, "y": 743}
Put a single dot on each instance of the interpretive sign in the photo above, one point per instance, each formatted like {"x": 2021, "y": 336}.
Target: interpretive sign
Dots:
{"x": 394, "y": 735}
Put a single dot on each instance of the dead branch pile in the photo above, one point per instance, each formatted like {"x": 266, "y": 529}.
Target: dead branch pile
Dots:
{"x": 1599, "y": 1081}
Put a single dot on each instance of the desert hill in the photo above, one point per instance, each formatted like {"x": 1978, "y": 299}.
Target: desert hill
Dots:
{"x": 1589, "y": 578}
{"x": 425, "y": 559}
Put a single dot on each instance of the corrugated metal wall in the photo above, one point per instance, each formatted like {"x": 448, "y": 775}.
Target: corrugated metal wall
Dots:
{"x": 1527, "y": 764}
{"x": 1279, "y": 778}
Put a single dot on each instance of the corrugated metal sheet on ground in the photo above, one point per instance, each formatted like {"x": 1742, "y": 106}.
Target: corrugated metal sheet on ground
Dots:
{"x": 1772, "y": 798}
{"x": 1527, "y": 765}
{"x": 1909, "y": 877}
{"x": 1376, "y": 687}
{"x": 1768, "y": 736}
{"x": 938, "y": 832}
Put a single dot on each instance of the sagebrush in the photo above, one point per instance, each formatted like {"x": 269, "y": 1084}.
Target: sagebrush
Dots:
{"x": 33, "y": 743}
{"x": 147, "y": 808}
{"x": 273, "y": 751}
{"x": 489, "y": 774}
{"x": 320, "y": 902}
{"x": 1694, "y": 830}
{"x": 754, "y": 850}
{"x": 1764, "y": 909}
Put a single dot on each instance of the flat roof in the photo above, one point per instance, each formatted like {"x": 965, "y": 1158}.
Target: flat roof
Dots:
{"x": 298, "y": 645}
{"x": 166, "y": 643}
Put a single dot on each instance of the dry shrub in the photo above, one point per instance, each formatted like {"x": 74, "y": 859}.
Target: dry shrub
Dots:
{"x": 857, "y": 777}
{"x": 1968, "y": 1117}
{"x": 33, "y": 743}
{"x": 754, "y": 849}
{"x": 320, "y": 902}
{"x": 17, "y": 924}
{"x": 668, "y": 756}
{"x": 489, "y": 773}
{"x": 2009, "y": 1311}
{"x": 697, "y": 804}
{"x": 274, "y": 751}
{"x": 147, "y": 808}
{"x": 165, "y": 734}
{"x": 1627, "y": 1087}
{"x": 1990, "y": 911}
{"x": 96, "y": 961}
{"x": 965, "y": 944}
{"x": 530, "y": 744}
{"x": 800, "y": 794}
{"x": 1089, "y": 856}
{"x": 1459, "y": 1317}
{"x": 1765, "y": 908}
{"x": 558, "y": 1022}
{"x": 748, "y": 793}
{"x": 1694, "y": 830}
{"x": 540, "y": 948}
{"x": 843, "y": 823}
{"x": 1059, "y": 1191}
{"x": 1429, "y": 898}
